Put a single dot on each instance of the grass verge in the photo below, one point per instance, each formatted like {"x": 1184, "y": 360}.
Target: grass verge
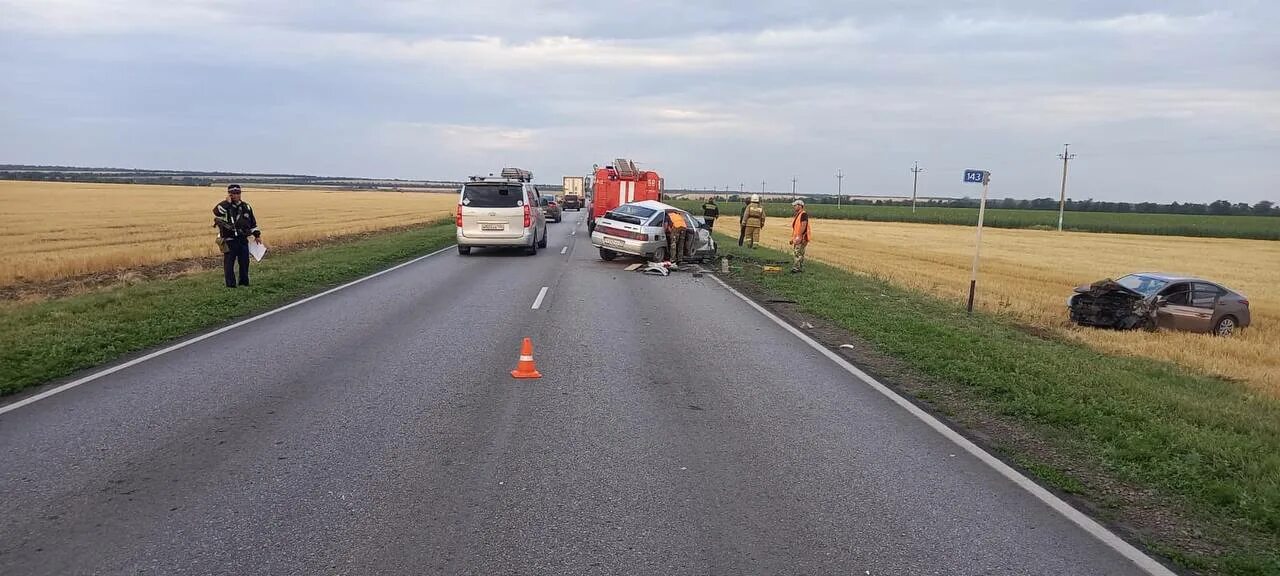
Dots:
{"x": 1188, "y": 465}
{"x": 48, "y": 340}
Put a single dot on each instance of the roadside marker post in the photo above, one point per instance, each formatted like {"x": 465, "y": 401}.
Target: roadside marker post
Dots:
{"x": 974, "y": 176}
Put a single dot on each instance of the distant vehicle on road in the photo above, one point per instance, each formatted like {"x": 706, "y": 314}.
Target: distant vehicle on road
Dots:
{"x": 638, "y": 229}
{"x": 620, "y": 184}
{"x": 551, "y": 209}
{"x": 1157, "y": 300}
{"x": 574, "y": 192}
{"x": 500, "y": 212}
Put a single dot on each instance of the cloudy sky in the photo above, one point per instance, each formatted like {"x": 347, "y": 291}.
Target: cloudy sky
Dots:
{"x": 1177, "y": 100}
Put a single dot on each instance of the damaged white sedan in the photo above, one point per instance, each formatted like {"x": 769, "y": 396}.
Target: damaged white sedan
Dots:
{"x": 640, "y": 229}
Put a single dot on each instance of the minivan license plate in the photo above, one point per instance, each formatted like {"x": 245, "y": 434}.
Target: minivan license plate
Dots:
{"x": 492, "y": 226}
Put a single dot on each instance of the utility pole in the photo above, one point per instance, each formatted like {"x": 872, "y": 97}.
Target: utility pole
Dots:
{"x": 839, "y": 186}
{"x": 762, "y": 186}
{"x": 793, "y": 188}
{"x": 915, "y": 179}
{"x": 1066, "y": 156}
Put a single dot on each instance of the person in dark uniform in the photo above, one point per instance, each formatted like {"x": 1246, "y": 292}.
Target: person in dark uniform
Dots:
{"x": 710, "y": 211}
{"x": 236, "y": 225}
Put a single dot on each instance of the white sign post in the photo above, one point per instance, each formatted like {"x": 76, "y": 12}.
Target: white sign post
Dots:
{"x": 985, "y": 178}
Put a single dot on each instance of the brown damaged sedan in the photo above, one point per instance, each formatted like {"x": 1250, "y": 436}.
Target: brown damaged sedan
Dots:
{"x": 1153, "y": 300}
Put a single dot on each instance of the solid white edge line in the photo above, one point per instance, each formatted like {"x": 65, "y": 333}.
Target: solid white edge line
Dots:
{"x": 537, "y": 302}
{"x": 185, "y": 343}
{"x": 565, "y": 249}
{"x": 1106, "y": 536}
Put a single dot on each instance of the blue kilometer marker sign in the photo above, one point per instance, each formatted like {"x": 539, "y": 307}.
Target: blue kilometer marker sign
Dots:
{"x": 975, "y": 176}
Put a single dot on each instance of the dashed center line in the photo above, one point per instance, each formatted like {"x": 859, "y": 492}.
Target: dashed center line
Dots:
{"x": 565, "y": 249}
{"x": 537, "y": 302}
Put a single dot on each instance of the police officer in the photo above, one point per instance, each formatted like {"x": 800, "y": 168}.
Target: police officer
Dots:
{"x": 236, "y": 224}
{"x": 710, "y": 211}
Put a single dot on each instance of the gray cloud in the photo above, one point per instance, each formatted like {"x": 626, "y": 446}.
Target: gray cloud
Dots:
{"x": 1162, "y": 101}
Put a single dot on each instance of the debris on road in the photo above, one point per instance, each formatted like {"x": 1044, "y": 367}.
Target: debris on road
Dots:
{"x": 658, "y": 268}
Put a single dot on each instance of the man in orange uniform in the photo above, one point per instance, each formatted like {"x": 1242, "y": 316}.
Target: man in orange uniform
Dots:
{"x": 677, "y": 235}
{"x": 799, "y": 236}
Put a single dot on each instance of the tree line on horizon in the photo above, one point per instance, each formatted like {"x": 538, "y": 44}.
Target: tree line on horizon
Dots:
{"x": 1216, "y": 208}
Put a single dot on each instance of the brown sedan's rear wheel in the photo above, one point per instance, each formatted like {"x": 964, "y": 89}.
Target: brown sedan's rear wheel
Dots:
{"x": 1226, "y": 326}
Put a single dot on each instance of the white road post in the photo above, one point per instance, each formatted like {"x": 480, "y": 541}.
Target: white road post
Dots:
{"x": 984, "y": 177}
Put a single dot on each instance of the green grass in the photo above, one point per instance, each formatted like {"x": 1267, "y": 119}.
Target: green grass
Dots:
{"x": 1255, "y": 227}
{"x": 1208, "y": 448}
{"x": 48, "y": 340}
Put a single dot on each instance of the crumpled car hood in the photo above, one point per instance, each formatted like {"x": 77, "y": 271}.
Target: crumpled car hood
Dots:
{"x": 1107, "y": 286}
{"x": 1107, "y": 304}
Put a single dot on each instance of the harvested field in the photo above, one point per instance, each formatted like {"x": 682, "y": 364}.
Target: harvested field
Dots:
{"x": 57, "y": 230}
{"x": 1028, "y": 274}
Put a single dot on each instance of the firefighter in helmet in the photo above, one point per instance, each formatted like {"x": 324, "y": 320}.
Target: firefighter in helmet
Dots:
{"x": 753, "y": 218}
{"x": 710, "y": 211}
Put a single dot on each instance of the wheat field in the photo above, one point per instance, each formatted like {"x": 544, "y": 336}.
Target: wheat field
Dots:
{"x": 1029, "y": 274}
{"x": 56, "y": 230}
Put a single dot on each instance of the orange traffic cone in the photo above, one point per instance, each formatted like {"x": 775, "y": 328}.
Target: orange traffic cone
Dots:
{"x": 526, "y": 368}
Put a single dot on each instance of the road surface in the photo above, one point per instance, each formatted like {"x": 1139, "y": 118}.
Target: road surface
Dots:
{"x": 376, "y": 430}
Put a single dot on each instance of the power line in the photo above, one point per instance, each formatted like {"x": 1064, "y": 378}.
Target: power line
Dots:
{"x": 839, "y": 186}
{"x": 915, "y": 179}
{"x": 1066, "y": 156}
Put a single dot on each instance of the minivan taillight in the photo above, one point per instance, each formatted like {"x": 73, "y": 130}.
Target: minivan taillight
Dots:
{"x": 457, "y": 217}
{"x": 528, "y": 216}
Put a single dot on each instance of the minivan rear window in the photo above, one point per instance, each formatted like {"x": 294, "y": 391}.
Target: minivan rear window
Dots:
{"x": 492, "y": 195}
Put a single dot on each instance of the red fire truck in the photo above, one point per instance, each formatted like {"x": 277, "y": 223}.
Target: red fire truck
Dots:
{"x": 619, "y": 184}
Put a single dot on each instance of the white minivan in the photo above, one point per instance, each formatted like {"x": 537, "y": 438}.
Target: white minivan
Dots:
{"x": 500, "y": 212}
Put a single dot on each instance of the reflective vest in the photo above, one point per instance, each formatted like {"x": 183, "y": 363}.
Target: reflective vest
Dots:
{"x": 677, "y": 220}
{"x": 800, "y": 227}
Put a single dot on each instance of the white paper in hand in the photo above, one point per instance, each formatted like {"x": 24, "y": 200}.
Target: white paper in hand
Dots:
{"x": 257, "y": 250}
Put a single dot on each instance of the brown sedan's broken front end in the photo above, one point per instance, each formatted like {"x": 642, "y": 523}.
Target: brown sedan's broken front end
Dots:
{"x": 1107, "y": 304}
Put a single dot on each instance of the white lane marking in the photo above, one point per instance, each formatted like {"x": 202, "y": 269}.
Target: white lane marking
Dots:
{"x": 185, "y": 343}
{"x": 574, "y": 233}
{"x": 537, "y": 302}
{"x": 565, "y": 249}
{"x": 1107, "y": 537}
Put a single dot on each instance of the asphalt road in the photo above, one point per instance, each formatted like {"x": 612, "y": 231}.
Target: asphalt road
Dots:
{"x": 377, "y": 431}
